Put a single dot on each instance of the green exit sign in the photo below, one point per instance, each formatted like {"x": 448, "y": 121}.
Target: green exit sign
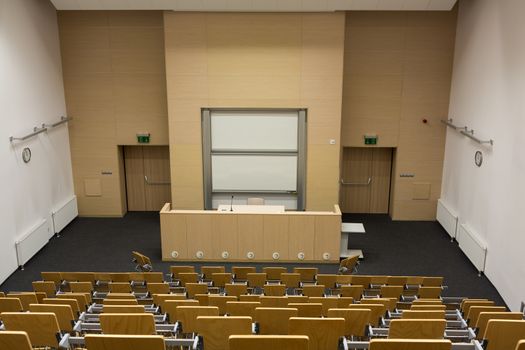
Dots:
{"x": 143, "y": 138}
{"x": 370, "y": 139}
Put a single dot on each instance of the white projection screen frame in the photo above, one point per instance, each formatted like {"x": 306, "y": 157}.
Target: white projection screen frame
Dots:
{"x": 254, "y": 152}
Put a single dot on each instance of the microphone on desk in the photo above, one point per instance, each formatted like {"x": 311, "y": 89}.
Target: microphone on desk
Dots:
{"x": 231, "y": 204}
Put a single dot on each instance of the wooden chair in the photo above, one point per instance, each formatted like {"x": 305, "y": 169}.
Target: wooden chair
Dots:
{"x": 25, "y": 298}
{"x": 250, "y": 297}
{"x": 120, "y": 302}
{"x": 188, "y": 316}
{"x": 271, "y": 301}
{"x": 377, "y": 311}
{"x": 207, "y": 271}
{"x": 63, "y": 313}
{"x": 432, "y": 281}
{"x": 274, "y": 290}
{"x": 297, "y": 298}
{"x": 158, "y": 288}
{"x": 354, "y": 291}
{"x": 428, "y": 307}
{"x": 426, "y": 301}
{"x": 474, "y": 311}
{"x": 328, "y": 303}
{"x": 485, "y": 317}
{"x": 349, "y": 265}
{"x": 175, "y": 270}
{"x": 240, "y": 272}
{"x": 188, "y": 277}
{"x": 170, "y": 308}
{"x": 256, "y": 280}
{"x": 47, "y": 287}
{"x": 160, "y": 299}
{"x": 466, "y": 305}
{"x": 41, "y": 327}
{"x": 423, "y": 315}
{"x": 343, "y": 302}
{"x": 124, "y": 342}
{"x": 10, "y": 305}
{"x": 196, "y": 288}
{"x": 272, "y": 320}
{"x": 313, "y": 290}
{"x": 307, "y": 309}
{"x": 241, "y": 308}
{"x": 81, "y": 287}
{"x": 356, "y": 320}
{"x": 78, "y": 277}
{"x": 265, "y": 342}
{"x": 396, "y": 280}
{"x": 429, "y": 292}
{"x": 327, "y": 280}
{"x": 220, "y": 279}
{"x": 15, "y": 341}
{"x": 378, "y": 280}
{"x": 344, "y": 280}
{"x": 83, "y": 299}
{"x": 503, "y": 334}
{"x": 307, "y": 273}
{"x": 274, "y": 273}
{"x": 54, "y": 277}
{"x": 389, "y": 303}
{"x": 291, "y": 280}
{"x": 220, "y": 301}
{"x": 391, "y": 291}
{"x": 414, "y": 280}
{"x": 123, "y": 309}
{"x": 120, "y": 287}
{"x": 73, "y": 303}
{"x": 120, "y": 277}
{"x": 143, "y": 263}
{"x": 417, "y": 329}
{"x": 461, "y": 305}
{"x": 216, "y": 330}
{"x": 409, "y": 344}
{"x": 236, "y": 289}
{"x": 153, "y": 277}
{"x": 361, "y": 280}
{"x": 324, "y": 333}
{"x": 137, "y": 324}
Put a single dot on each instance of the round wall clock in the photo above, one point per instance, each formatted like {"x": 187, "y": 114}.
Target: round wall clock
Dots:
{"x": 478, "y": 158}
{"x": 26, "y": 155}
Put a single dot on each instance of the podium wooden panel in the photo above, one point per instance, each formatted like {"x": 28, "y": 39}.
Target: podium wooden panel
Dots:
{"x": 184, "y": 233}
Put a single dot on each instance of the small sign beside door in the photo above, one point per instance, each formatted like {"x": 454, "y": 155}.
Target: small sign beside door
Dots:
{"x": 143, "y": 138}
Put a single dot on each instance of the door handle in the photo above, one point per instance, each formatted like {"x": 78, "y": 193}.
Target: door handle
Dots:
{"x": 356, "y": 183}
{"x": 155, "y": 182}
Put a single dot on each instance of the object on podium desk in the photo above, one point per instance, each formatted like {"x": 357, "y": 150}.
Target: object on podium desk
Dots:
{"x": 273, "y": 209}
{"x": 346, "y": 229}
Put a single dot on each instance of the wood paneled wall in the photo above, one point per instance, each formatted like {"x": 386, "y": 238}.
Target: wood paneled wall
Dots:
{"x": 397, "y": 72}
{"x": 257, "y": 60}
{"x": 115, "y": 87}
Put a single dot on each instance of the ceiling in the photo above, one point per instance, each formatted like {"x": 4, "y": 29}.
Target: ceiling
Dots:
{"x": 258, "y": 5}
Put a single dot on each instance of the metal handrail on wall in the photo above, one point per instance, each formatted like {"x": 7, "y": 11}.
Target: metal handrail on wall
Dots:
{"x": 466, "y": 132}
{"x": 38, "y": 130}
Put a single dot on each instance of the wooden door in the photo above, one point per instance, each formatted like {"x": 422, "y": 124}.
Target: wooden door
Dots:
{"x": 366, "y": 180}
{"x": 147, "y": 177}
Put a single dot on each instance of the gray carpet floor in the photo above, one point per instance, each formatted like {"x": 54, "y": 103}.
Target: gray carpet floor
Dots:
{"x": 390, "y": 247}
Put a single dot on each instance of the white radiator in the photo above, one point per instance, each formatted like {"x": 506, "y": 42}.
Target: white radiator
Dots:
{"x": 64, "y": 215}
{"x": 447, "y": 218}
{"x": 31, "y": 242}
{"x": 473, "y": 247}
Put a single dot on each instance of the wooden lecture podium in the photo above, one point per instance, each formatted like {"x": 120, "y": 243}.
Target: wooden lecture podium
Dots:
{"x": 250, "y": 234}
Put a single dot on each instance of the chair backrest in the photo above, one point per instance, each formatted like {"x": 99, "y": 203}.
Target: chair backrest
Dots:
{"x": 417, "y": 329}
{"x": 188, "y": 316}
{"x": 361, "y": 280}
{"x": 391, "y": 291}
{"x": 159, "y": 299}
{"x": 307, "y": 273}
{"x": 274, "y": 289}
{"x": 467, "y": 304}
{"x": 241, "y": 308}
{"x": 188, "y": 277}
{"x": 504, "y": 334}
{"x": 428, "y": 307}
{"x": 153, "y": 277}
{"x": 343, "y": 302}
{"x": 274, "y": 301}
{"x": 409, "y": 344}
{"x": 25, "y": 298}
{"x": 344, "y": 280}
{"x": 120, "y": 296}
{"x": 41, "y": 327}
{"x": 81, "y": 287}
{"x": 219, "y": 279}
{"x": 170, "y": 307}
{"x": 274, "y": 320}
{"x": 308, "y": 309}
{"x": 120, "y": 287}
{"x": 10, "y": 305}
{"x": 73, "y": 303}
{"x": 313, "y": 290}
{"x": 203, "y": 299}
{"x": 240, "y": 272}
{"x": 255, "y": 201}
{"x": 250, "y": 297}
{"x": 15, "y": 341}
{"x": 354, "y": 291}
{"x": 175, "y": 270}
{"x": 429, "y": 292}
{"x": 356, "y": 320}
{"x": 414, "y": 280}
{"x": 347, "y": 265}
{"x": 123, "y": 309}
{"x": 427, "y": 301}
{"x": 291, "y": 280}
{"x": 137, "y": 324}
{"x": 237, "y": 289}
{"x": 378, "y": 280}
{"x": 220, "y": 301}
{"x": 207, "y": 271}
{"x": 389, "y": 303}
{"x": 273, "y": 273}
{"x": 120, "y": 302}
{"x": 432, "y": 281}
{"x": 158, "y": 288}
{"x": 324, "y": 333}
{"x": 474, "y": 311}
{"x": 521, "y": 345}
{"x": 485, "y": 317}
{"x": 216, "y": 330}
{"x": 124, "y": 342}
{"x": 256, "y": 279}
{"x": 297, "y": 298}
{"x": 396, "y": 280}
{"x": 196, "y": 288}
{"x": 63, "y": 313}
{"x": 55, "y": 277}
{"x": 422, "y": 314}
{"x": 265, "y": 342}
{"x": 328, "y": 303}
{"x": 47, "y": 287}
{"x": 378, "y": 311}
{"x": 143, "y": 262}
{"x": 81, "y": 298}
{"x": 120, "y": 277}
{"x": 78, "y": 276}
{"x": 327, "y": 280}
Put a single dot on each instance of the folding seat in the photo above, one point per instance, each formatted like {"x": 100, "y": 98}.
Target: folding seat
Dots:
{"x": 120, "y": 287}
{"x": 159, "y": 299}
{"x": 55, "y": 277}
{"x": 81, "y": 287}
{"x": 409, "y": 344}
{"x": 83, "y": 299}
{"x": 354, "y": 291}
{"x": 389, "y": 303}
{"x": 292, "y": 281}
{"x": 432, "y": 281}
{"x": 220, "y": 279}
{"x": 265, "y": 342}
{"x": 240, "y": 272}
{"x": 327, "y": 280}
{"x": 10, "y": 305}
{"x": 241, "y": 308}
{"x": 256, "y": 281}
{"x": 237, "y": 289}
{"x": 207, "y": 271}
{"x": 41, "y": 327}
{"x": 391, "y": 291}
{"x": 187, "y": 316}
{"x": 15, "y": 341}
{"x": 396, "y": 280}
{"x": 220, "y": 301}
{"x": 196, "y": 288}
{"x": 274, "y": 290}
{"x": 216, "y": 330}
{"x": 485, "y": 317}
{"x": 47, "y": 287}
{"x": 123, "y": 309}
{"x": 136, "y": 324}
{"x": 378, "y": 311}
{"x": 343, "y": 302}
{"x": 360, "y": 280}
{"x": 328, "y": 303}
{"x": 466, "y": 305}
{"x": 170, "y": 308}
{"x": 274, "y": 301}
{"x": 63, "y": 313}
{"x": 503, "y": 334}
{"x": 274, "y": 273}
{"x": 417, "y": 329}
{"x": 122, "y": 277}
{"x": 250, "y": 297}
{"x": 153, "y": 277}
{"x": 273, "y": 320}
{"x": 313, "y": 290}
{"x": 158, "y": 288}
{"x": 188, "y": 277}
{"x": 323, "y": 333}
{"x": 421, "y": 314}
{"x": 308, "y": 309}
{"x": 124, "y": 342}
{"x": 307, "y": 273}
{"x": 474, "y": 311}
{"x": 429, "y": 292}
{"x": 72, "y": 303}
{"x": 175, "y": 270}
{"x": 203, "y": 299}
{"x": 349, "y": 265}
{"x": 356, "y": 320}
{"x": 25, "y": 298}
{"x": 131, "y": 301}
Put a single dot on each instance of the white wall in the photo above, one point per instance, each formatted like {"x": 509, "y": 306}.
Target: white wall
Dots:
{"x": 31, "y": 93}
{"x": 488, "y": 95}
